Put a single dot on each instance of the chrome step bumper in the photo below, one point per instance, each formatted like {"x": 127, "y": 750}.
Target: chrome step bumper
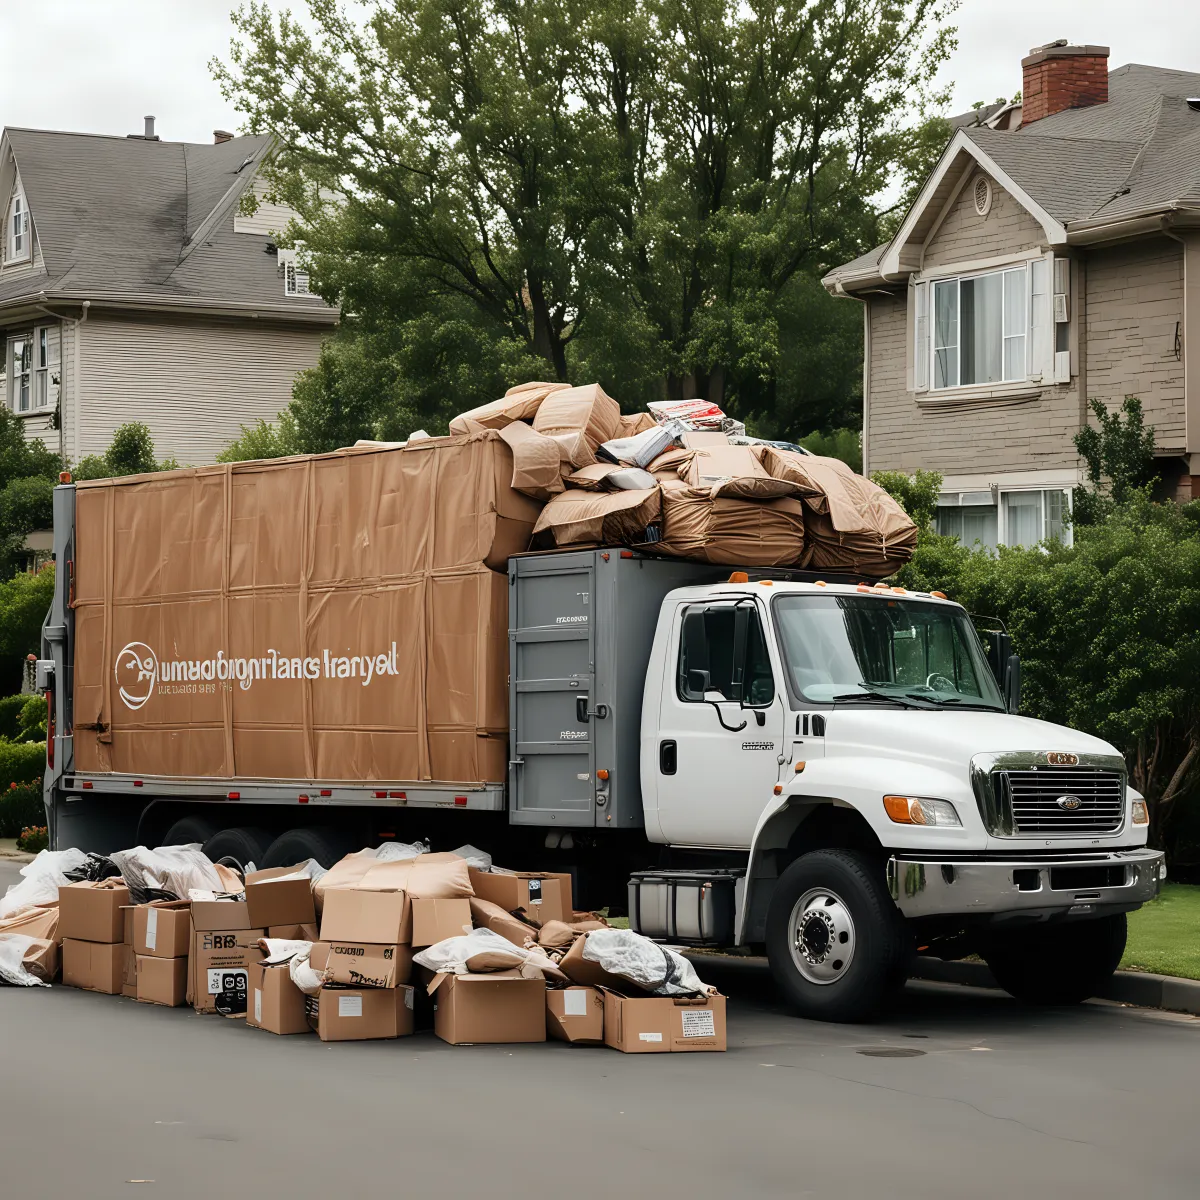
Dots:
{"x": 1077, "y": 886}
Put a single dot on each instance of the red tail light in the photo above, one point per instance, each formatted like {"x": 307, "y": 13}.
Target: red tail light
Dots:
{"x": 51, "y": 728}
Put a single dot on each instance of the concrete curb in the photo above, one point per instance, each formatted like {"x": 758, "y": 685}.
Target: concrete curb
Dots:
{"x": 1125, "y": 987}
{"x": 18, "y": 856}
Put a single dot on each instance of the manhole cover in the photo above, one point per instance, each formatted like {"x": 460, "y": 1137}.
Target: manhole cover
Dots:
{"x": 891, "y": 1052}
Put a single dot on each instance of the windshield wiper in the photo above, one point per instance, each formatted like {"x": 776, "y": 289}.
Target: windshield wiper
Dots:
{"x": 940, "y": 700}
{"x": 883, "y": 696}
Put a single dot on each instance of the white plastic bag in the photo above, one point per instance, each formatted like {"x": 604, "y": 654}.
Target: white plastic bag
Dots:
{"x": 280, "y": 950}
{"x": 480, "y": 951}
{"x": 481, "y": 860}
{"x": 642, "y": 448}
{"x": 12, "y": 960}
{"x": 308, "y": 980}
{"x": 42, "y": 879}
{"x": 646, "y": 963}
{"x": 310, "y": 869}
{"x": 175, "y": 869}
{"x": 397, "y": 851}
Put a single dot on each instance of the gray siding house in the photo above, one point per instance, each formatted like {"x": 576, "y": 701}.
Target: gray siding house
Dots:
{"x": 134, "y": 288}
{"x": 1053, "y": 255}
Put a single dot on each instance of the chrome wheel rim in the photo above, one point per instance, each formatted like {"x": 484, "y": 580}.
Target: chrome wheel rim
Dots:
{"x": 821, "y": 936}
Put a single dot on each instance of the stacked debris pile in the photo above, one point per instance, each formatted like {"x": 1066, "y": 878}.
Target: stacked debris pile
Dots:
{"x": 388, "y": 942}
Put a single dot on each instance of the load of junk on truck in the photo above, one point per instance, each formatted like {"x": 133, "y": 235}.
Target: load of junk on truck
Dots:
{"x": 501, "y": 956}
{"x": 646, "y": 651}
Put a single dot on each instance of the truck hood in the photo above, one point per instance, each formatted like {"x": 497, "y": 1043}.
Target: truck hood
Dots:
{"x": 946, "y": 738}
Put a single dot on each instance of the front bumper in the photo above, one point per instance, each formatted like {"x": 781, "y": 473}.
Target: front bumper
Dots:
{"x": 1070, "y": 885}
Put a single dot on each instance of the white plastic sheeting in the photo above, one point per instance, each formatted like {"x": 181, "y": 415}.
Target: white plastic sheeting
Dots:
{"x": 12, "y": 960}
{"x": 179, "y": 870}
{"x": 481, "y": 860}
{"x": 480, "y": 951}
{"x": 649, "y": 965}
{"x": 397, "y": 851}
{"x": 42, "y": 879}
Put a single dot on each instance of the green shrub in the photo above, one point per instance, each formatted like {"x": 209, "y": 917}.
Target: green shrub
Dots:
{"x": 20, "y": 807}
{"x": 21, "y": 762}
{"x": 31, "y": 724}
{"x": 10, "y": 717}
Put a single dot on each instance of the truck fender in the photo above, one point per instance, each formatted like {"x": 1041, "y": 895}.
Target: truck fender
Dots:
{"x": 858, "y": 785}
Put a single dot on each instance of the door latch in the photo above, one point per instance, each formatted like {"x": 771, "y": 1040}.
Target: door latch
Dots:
{"x": 583, "y": 713}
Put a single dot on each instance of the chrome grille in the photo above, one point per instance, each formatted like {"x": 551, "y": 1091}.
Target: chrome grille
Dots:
{"x": 1031, "y": 796}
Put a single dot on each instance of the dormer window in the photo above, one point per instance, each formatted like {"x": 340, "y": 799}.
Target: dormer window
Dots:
{"x": 17, "y": 229}
{"x": 295, "y": 278}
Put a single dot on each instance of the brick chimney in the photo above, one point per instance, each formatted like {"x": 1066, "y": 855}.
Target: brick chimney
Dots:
{"x": 1057, "y": 76}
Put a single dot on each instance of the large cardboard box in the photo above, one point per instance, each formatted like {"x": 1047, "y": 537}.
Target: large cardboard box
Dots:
{"x": 428, "y": 876}
{"x": 360, "y": 964}
{"x": 91, "y": 912}
{"x": 162, "y": 928}
{"x": 275, "y": 901}
{"x": 41, "y": 923}
{"x": 307, "y": 932}
{"x": 359, "y": 1014}
{"x": 487, "y": 915}
{"x": 435, "y": 920}
{"x": 360, "y": 914}
{"x": 94, "y": 966}
{"x": 336, "y": 616}
{"x": 575, "y": 1014}
{"x": 161, "y": 980}
{"x": 128, "y": 969}
{"x": 209, "y": 915}
{"x": 501, "y": 1007}
{"x": 276, "y": 1003}
{"x": 40, "y": 959}
{"x": 538, "y": 894}
{"x": 219, "y": 970}
{"x": 658, "y": 1024}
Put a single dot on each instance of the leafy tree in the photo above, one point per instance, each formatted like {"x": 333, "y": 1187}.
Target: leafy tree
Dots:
{"x": 916, "y": 494}
{"x": 646, "y": 194}
{"x": 845, "y": 444}
{"x": 24, "y": 601}
{"x": 131, "y": 452}
{"x": 28, "y": 473}
{"x": 1118, "y": 456}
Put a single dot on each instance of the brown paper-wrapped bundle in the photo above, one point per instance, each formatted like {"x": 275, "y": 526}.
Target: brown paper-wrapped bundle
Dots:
{"x": 588, "y": 411}
{"x": 754, "y": 533}
{"x": 578, "y": 517}
{"x": 733, "y": 471}
{"x": 852, "y": 524}
{"x": 519, "y": 403}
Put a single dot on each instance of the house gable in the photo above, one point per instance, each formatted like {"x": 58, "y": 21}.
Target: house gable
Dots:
{"x": 964, "y": 235}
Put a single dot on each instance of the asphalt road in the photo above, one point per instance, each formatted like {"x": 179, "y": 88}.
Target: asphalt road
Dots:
{"x": 104, "y": 1097}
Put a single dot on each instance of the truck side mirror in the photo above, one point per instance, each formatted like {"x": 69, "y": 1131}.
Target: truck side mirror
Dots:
{"x": 1012, "y": 684}
{"x": 698, "y": 682}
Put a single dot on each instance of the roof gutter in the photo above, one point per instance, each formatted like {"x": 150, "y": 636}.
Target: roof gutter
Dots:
{"x": 1136, "y": 224}
{"x": 141, "y": 303}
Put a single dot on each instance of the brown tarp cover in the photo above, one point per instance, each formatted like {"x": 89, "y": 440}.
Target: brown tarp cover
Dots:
{"x": 322, "y": 617}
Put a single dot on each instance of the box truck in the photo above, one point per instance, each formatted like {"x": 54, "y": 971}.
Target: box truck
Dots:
{"x": 828, "y": 770}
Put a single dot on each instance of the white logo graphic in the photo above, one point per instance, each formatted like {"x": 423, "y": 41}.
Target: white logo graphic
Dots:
{"x": 136, "y": 672}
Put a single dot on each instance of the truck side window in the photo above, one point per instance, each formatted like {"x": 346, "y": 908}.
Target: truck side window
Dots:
{"x": 706, "y": 643}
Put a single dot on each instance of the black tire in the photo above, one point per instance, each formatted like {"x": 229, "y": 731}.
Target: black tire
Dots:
{"x": 879, "y": 945}
{"x": 187, "y": 830}
{"x": 244, "y": 844}
{"x": 1057, "y": 964}
{"x": 322, "y": 842}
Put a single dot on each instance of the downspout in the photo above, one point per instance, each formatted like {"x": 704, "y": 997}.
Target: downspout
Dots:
{"x": 866, "y": 385}
{"x": 75, "y": 380}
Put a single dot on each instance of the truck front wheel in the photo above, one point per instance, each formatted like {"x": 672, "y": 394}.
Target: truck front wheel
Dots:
{"x": 1056, "y": 964}
{"x": 835, "y": 941}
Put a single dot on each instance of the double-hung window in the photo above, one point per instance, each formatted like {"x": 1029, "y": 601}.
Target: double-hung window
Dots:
{"x": 34, "y": 369}
{"x": 16, "y": 234}
{"x": 980, "y": 328}
{"x": 1020, "y": 517}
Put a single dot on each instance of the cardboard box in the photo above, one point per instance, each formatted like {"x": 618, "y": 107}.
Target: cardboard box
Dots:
{"x": 307, "y": 932}
{"x": 361, "y": 964}
{"x": 537, "y": 894}
{"x": 161, "y": 980}
{"x": 40, "y": 959}
{"x": 435, "y": 920}
{"x": 162, "y": 928}
{"x": 359, "y": 1014}
{"x": 94, "y": 966}
{"x": 40, "y": 923}
{"x": 128, "y": 969}
{"x": 487, "y": 915}
{"x": 501, "y": 1007}
{"x": 428, "y": 877}
{"x": 128, "y": 938}
{"x": 379, "y": 917}
{"x": 276, "y": 1003}
{"x": 658, "y": 1024}
{"x": 276, "y": 901}
{"x": 219, "y": 970}
{"x": 209, "y": 915}
{"x": 91, "y": 912}
{"x": 575, "y": 1014}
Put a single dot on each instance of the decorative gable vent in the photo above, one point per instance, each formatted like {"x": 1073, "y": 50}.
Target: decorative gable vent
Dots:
{"x": 982, "y": 192}
{"x": 295, "y": 278}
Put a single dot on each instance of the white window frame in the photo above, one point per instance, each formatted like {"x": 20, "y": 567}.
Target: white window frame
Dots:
{"x": 43, "y": 374}
{"x": 16, "y": 227}
{"x": 945, "y": 500}
{"x": 1006, "y": 334}
{"x": 295, "y": 278}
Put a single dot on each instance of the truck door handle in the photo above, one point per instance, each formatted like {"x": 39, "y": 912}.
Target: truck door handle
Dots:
{"x": 668, "y": 757}
{"x": 582, "y": 712}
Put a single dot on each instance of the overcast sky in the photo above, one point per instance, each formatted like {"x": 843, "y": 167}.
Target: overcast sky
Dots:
{"x": 99, "y": 66}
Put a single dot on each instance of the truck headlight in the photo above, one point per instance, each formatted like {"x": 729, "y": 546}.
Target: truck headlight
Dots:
{"x": 917, "y": 810}
{"x": 1141, "y": 814}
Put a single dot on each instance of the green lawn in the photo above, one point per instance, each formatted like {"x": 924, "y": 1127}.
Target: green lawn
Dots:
{"x": 1164, "y": 936}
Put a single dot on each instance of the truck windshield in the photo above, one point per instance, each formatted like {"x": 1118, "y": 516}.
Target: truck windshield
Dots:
{"x": 862, "y": 647}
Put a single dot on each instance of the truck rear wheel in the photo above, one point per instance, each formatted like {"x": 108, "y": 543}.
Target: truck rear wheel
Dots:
{"x": 1057, "y": 964}
{"x": 188, "y": 831}
{"x": 245, "y": 844}
{"x": 835, "y": 942}
{"x": 322, "y": 842}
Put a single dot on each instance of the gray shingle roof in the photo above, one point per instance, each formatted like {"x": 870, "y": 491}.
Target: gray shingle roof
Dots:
{"x": 113, "y": 217}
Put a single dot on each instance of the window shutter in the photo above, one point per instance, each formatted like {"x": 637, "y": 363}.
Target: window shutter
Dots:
{"x": 1041, "y": 320}
{"x": 921, "y": 340}
{"x": 53, "y": 365}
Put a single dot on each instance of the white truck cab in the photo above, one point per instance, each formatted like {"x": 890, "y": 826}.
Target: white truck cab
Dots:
{"x": 854, "y": 745}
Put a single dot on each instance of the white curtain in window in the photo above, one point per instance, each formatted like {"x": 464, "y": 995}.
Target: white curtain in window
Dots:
{"x": 945, "y": 334}
{"x": 982, "y": 336}
{"x": 1022, "y": 518}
